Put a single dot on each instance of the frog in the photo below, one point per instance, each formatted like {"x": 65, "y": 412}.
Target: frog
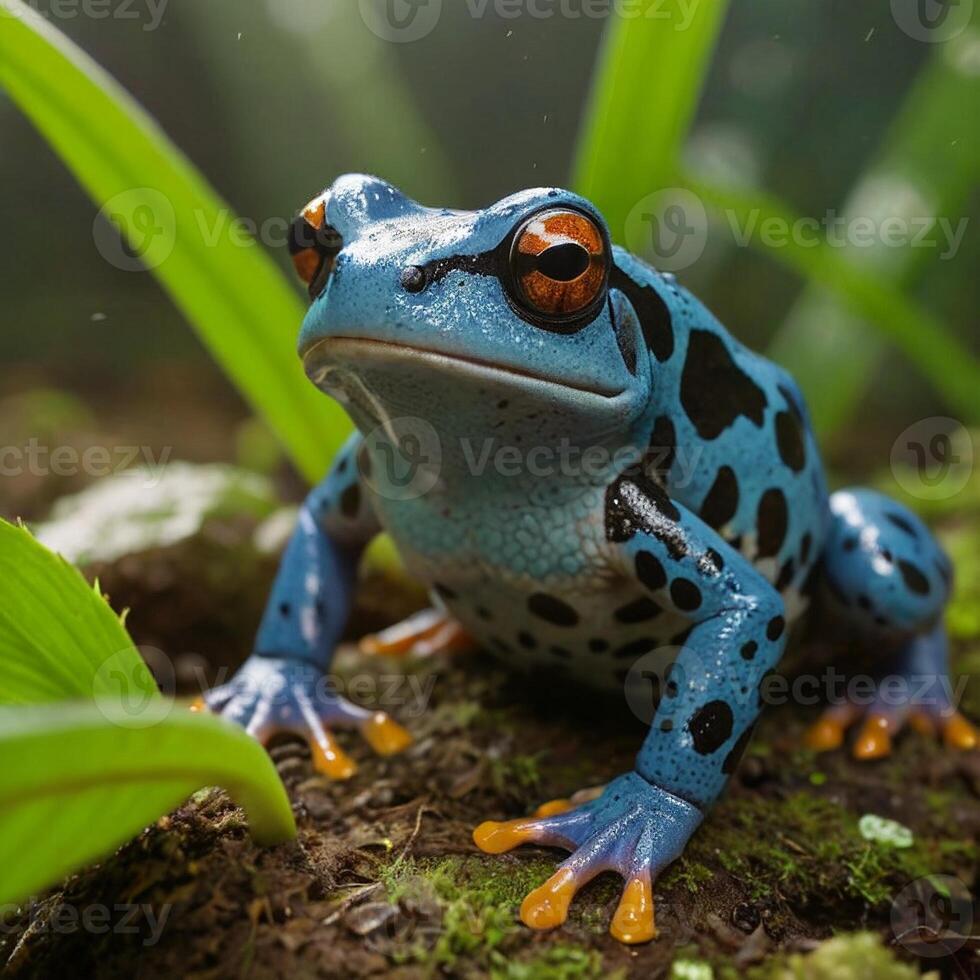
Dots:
{"x": 662, "y": 523}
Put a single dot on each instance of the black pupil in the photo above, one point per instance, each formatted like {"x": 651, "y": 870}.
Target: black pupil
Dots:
{"x": 563, "y": 263}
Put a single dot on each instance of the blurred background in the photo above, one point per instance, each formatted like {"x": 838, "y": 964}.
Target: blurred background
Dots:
{"x": 828, "y": 105}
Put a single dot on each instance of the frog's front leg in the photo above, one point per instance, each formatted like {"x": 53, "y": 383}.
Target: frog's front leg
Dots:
{"x": 283, "y": 687}
{"x": 642, "y": 821}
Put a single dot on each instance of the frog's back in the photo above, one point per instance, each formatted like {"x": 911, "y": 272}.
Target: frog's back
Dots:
{"x": 731, "y": 440}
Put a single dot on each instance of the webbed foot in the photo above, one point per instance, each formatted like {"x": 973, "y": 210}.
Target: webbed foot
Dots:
{"x": 631, "y": 827}
{"x": 879, "y": 727}
{"x": 270, "y": 696}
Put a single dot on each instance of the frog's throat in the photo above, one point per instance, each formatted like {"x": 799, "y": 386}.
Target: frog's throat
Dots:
{"x": 331, "y": 353}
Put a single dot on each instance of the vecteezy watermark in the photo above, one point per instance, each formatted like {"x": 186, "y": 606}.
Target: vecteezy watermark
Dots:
{"x": 669, "y": 228}
{"x": 857, "y": 231}
{"x": 933, "y": 458}
{"x": 149, "y": 12}
{"x": 140, "y": 692}
{"x": 655, "y": 681}
{"x": 932, "y": 21}
{"x": 400, "y": 21}
{"x": 136, "y": 229}
{"x": 403, "y": 458}
{"x": 411, "y": 20}
{"x": 62, "y": 918}
{"x": 37, "y": 459}
{"x": 932, "y": 917}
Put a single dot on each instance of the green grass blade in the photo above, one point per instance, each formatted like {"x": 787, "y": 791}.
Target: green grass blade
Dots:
{"x": 647, "y": 84}
{"x": 242, "y": 306}
{"x": 926, "y": 167}
{"x": 924, "y": 339}
{"x": 59, "y": 638}
{"x": 76, "y": 782}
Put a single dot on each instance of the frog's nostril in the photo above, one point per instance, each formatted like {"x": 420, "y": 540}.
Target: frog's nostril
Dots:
{"x": 413, "y": 279}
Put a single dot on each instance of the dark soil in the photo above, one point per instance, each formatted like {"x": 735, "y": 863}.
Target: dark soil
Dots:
{"x": 383, "y": 878}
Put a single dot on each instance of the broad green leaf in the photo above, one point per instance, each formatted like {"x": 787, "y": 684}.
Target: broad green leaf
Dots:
{"x": 648, "y": 80}
{"x": 229, "y": 290}
{"x": 922, "y": 337}
{"x": 926, "y": 168}
{"x": 59, "y": 638}
{"x": 78, "y": 780}
{"x": 91, "y": 752}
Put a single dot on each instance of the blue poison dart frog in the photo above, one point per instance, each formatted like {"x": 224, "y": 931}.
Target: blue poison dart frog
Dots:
{"x": 663, "y": 497}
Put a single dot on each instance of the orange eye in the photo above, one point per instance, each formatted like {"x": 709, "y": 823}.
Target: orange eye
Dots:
{"x": 313, "y": 245}
{"x": 559, "y": 262}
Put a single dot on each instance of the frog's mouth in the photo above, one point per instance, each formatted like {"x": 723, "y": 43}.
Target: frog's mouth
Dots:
{"x": 330, "y": 355}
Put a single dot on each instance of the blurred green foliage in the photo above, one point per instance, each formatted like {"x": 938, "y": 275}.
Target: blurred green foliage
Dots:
{"x": 752, "y": 105}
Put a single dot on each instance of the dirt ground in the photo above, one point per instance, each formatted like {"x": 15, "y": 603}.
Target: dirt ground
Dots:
{"x": 384, "y": 880}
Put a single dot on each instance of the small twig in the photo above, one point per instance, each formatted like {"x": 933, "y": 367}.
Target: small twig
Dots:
{"x": 411, "y": 840}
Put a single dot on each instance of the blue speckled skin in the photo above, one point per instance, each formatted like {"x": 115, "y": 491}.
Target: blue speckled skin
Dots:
{"x": 713, "y": 542}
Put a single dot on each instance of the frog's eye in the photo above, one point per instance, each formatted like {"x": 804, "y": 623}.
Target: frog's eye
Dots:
{"x": 559, "y": 263}
{"x": 313, "y": 245}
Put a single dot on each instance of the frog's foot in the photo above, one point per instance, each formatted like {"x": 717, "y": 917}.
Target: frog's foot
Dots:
{"x": 632, "y": 827}
{"x": 271, "y": 696}
{"x": 424, "y": 633}
{"x": 880, "y": 725}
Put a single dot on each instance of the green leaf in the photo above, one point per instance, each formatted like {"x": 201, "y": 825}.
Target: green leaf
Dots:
{"x": 926, "y": 169}
{"x": 78, "y": 780}
{"x": 647, "y": 84}
{"x": 230, "y": 291}
{"x": 920, "y": 335}
{"x": 59, "y": 638}
{"x": 81, "y": 776}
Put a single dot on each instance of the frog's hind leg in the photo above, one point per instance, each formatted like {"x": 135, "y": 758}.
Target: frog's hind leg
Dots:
{"x": 424, "y": 633}
{"x": 886, "y": 578}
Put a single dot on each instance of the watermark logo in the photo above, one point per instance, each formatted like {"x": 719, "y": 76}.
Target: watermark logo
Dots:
{"x": 405, "y": 458}
{"x": 933, "y": 458}
{"x": 136, "y": 230}
{"x": 150, "y": 12}
{"x": 932, "y": 21}
{"x": 932, "y": 917}
{"x": 63, "y": 918}
{"x": 128, "y": 695}
{"x": 668, "y": 228}
{"x": 400, "y": 21}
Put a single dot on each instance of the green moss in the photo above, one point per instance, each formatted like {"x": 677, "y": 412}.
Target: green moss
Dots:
{"x": 849, "y": 957}
{"x": 688, "y": 874}
{"x": 807, "y": 846}
{"x": 478, "y": 901}
{"x": 516, "y": 770}
{"x": 558, "y": 962}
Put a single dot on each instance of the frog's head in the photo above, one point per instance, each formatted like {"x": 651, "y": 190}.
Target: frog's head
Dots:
{"x": 498, "y": 320}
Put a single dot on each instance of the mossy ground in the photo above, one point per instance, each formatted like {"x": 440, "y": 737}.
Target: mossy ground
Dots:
{"x": 383, "y": 879}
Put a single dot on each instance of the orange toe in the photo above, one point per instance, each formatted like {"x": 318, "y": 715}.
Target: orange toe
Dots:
{"x": 874, "y": 740}
{"x": 385, "y": 735}
{"x": 824, "y": 735}
{"x": 547, "y": 906}
{"x": 331, "y": 760}
{"x": 496, "y": 837}
{"x": 553, "y": 807}
{"x": 198, "y": 704}
{"x": 450, "y": 637}
{"x": 400, "y": 639}
{"x": 633, "y": 921}
{"x": 960, "y": 734}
